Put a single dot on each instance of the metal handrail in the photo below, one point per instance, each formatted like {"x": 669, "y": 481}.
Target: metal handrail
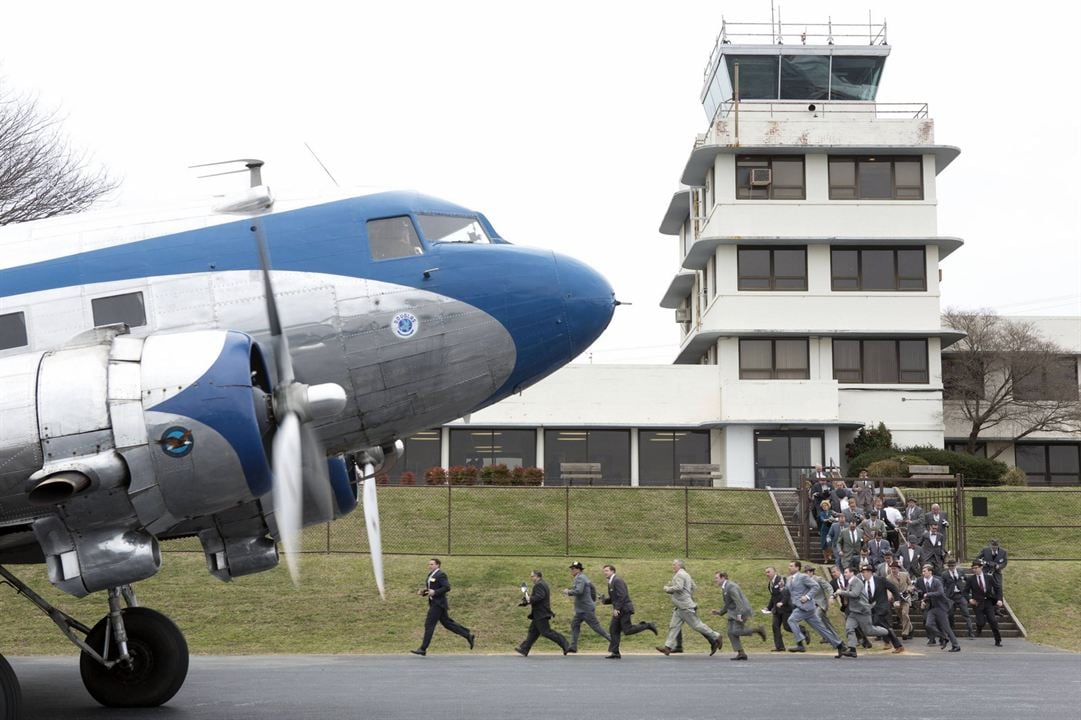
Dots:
{"x": 825, "y": 107}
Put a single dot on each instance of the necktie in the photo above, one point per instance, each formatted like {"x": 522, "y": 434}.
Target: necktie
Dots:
{"x": 982, "y": 588}
{"x": 868, "y": 588}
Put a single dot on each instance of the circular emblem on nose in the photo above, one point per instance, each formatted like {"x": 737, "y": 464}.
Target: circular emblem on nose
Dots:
{"x": 404, "y": 325}
{"x": 177, "y": 441}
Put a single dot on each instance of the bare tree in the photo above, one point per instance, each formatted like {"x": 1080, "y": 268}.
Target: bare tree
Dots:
{"x": 40, "y": 175}
{"x": 1005, "y": 375}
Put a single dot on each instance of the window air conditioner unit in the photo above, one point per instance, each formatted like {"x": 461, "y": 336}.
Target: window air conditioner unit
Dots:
{"x": 761, "y": 177}
{"x": 683, "y": 315}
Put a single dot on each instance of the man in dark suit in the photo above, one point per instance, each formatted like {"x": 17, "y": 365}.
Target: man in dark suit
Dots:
{"x": 619, "y": 597}
{"x": 954, "y": 582}
{"x": 912, "y": 519}
{"x": 435, "y": 589}
{"x": 985, "y": 597}
{"x": 934, "y": 601}
{"x": 910, "y": 557}
{"x": 883, "y": 592}
{"x": 933, "y": 548}
{"x": 540, "y": 612}
{"x": 778, "y": 608}
{"x": 994, "y": 560}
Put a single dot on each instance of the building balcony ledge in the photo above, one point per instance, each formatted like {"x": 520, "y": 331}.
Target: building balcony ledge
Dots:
{"x": 703, "y": 248}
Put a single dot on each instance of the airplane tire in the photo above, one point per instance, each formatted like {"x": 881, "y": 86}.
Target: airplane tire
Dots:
{"x": 11, "y": 697}
{"x": 159, "y": 662}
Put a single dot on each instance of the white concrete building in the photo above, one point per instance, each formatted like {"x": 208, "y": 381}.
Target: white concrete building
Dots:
{"x": 806, "y": 284}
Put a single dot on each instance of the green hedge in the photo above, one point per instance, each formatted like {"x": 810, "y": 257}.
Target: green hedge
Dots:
{"x": 977, "y": 470}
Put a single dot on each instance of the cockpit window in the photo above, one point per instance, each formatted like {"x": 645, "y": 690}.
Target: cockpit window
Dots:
{"x": 393, "y": 238}
{"x": 450, "y": 228}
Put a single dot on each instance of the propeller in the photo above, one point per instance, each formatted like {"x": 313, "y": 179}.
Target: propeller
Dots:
{"x": 371, "y": 522}
{"x": 296, "y": 453}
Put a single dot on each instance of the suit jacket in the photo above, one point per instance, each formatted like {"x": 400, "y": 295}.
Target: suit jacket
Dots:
{"x": 438, "y": 585}
{"x": 681, "y": 589}
{"x": 912, "y": 565}
{"x": 850, "y": 548}
{"x": 618, "y": 596}
{"x": 825, "y": 592}
{"x": 913, "y": 520}
{"x": 871, "y": 524}
{"x": 878, "y": 549}
{"x": 881, "y": 598}
{"x": 583, "y": 597}
{"x": 540, "y": 603}
{"x": 776, "y": 592}
{"x": 857, "y": 602}
{"x": 933, "y": 549}
{"x": 802, "y": 585}
{"x": 954, "y": 588}
{"x": 941, "y": 520}
{"x": 993, "y": 564}
{"x": 933, "y": 592}
{"x": 903, "y": 582}
{"x": 838, "y": 585}
{"x": 736, "y": 604}
{"x": 990, "y": 591}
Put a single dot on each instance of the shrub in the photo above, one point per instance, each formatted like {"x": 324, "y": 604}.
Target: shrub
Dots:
{"x": 527, "y": 476}
{"x": 876, "y": 438}
{"x": 462, "y": 475}
{"x": 1014, "y": 476}
{"x": 890, "y": 468}
{"x": 977, "y": 470}
{"x": 497, "y": 474}
{"x": 407, "y": 478}
{"x": 382, "y": 478}
{"x": 435, "y": 476}
{"x": 864, "y": 459}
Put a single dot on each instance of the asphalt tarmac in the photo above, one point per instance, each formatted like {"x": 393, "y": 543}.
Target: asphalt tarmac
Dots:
{"x": 1019, "y": 680}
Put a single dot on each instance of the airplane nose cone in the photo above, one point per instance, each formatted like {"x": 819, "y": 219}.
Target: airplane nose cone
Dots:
{"x": 588, "y": 299}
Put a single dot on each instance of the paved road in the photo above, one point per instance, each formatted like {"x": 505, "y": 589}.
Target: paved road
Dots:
{"x": 1016, "y": 681}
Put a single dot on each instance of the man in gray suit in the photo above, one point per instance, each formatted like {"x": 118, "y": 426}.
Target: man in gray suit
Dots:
{"x": 685, "y": 610}
{"x": 860, "y": 592}
{"x": 802, "y": 589}
{"x": 585, "y": 606}
{"x": 822, "y": 599}
{"x": 934, "y": 601}
{"x": 850, "y": 542}
{"x": 738, "y": 610}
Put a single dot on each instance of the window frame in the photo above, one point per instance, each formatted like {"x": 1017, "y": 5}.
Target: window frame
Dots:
{"x": 862, "y": 370}
{"x": 772, "y": 370}
{"x": 773, "y": 276}
{"x": 859, "y": 277}
{"x": 875, "y": 159}
{"x": 416, "y": 235}
{"x": 1047, "y": 474}
{"x": 769, "y": 160}
{"x": 113, "y": 296}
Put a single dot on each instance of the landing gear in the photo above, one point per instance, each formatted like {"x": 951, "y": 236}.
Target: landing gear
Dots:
{"x": 133, "y": 657}
{"x": 11, "y": 697}
{"x": 156, "y": 666}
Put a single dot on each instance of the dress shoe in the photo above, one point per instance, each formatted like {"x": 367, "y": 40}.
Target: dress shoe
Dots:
{"x": 713, "y": 645}
{"x": 761, "y": 632}
{"x": 677, "y": 650}
{"x": 741, "y": 656}
{"x": 866, "y": 644}
{"x": 931, "y": 641}
{"x": 850, "y": 652}
{"x": 570, "y": 650}
{"x": 899, "y": 649}
{"x": 955, "y": 648}
{"x": 664, "y": 649}
{"x": 520, "y": 651}
{"x": 998, "y": 643}
{"x": 777, "y": 650}
{"x": 565, "y": 651}
{"x": 799, "y": 648}
{"x": 613, "y": 656}
{"x": 651, "y": 627}
{"x": 472, "y": 640}
{"x": 420, "y": 652}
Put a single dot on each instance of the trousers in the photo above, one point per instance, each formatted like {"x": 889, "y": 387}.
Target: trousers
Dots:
{"x": 690, "y": 617}
{"x": 437, "y": 614}
{"x": 590, "y": 619}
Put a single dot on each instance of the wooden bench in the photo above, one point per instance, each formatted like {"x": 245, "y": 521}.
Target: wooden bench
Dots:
{"x": 584, "y": 473}
{"x": 929, "y": 472}
{"x": 708, "y": 474}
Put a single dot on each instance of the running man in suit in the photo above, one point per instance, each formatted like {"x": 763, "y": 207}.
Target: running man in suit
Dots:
{"x": 802, "y": 589}
{"x": 985, "y": 597}
{"x": 685, "y": 610}
{"x": 585, "y": 607}
{"x": 954, "y": 582}
{"x": 540, "y": 613}
{"x": 738, "y": 609}
{"x": 860, "y": 592}
{"x": 936, "y": 619}
{"x": 436, "y": 587}
{"x": 778, "y": 606}
{"x": 619, "y": 597}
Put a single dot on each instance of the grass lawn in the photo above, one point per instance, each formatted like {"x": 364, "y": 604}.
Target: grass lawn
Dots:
{"x": 337, "y": 609}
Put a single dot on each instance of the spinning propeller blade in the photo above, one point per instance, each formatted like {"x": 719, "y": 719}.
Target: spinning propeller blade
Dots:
{"x": 375, "y": 541}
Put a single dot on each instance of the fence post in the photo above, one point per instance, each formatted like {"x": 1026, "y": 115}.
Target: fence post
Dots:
{"x": 567, "y": 520}
{"x": 686, "y": 522}
{"x": 328, "y": 539}
{"x": 961, "y": 534}
{"x": 448, "y": 515}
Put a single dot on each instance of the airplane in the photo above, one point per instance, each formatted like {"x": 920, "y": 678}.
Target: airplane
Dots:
{"x": 236, "y": 374}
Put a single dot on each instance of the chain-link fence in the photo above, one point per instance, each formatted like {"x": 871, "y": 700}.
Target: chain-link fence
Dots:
{"x": 595, "y": 522}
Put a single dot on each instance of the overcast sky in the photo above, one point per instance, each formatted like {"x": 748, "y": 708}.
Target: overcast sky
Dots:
{"x": 568, "y": 124}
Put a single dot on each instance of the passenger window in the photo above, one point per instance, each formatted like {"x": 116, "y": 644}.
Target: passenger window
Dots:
{"x": 452, "y": 229}
{"x": 393, "y": 238}
{"x": 127, "y": 308}
{"x": 12, "y": 331}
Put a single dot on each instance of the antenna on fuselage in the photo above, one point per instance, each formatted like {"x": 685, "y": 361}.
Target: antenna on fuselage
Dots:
{"x": 253, "y": 166}
{"x": 257, "y": 197}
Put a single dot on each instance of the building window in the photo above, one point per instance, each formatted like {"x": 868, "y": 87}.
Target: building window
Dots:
{"x": 781, "y": 359}
{"x": 513, "y": 448}
{"x": 772, "y": 268}
{"x": 1057, "y": 380}
{"x": 1050, "y": 464}
{"x": 12, "y": 330}
{"x": 963, "y": 377}
{"x": 874, "y": 178}
{"x": 661, "y": 452}
{"x": 610, "y": 448}
{"x": 423, "y": 451}
{"x": 782, "y": 457}
{"x": 962, "y": 447}
{"x": 878, "y": 269}
{"x": 127, "y": 309}
{"x": 778, "y": 178}
{"x": 882, "y": 362}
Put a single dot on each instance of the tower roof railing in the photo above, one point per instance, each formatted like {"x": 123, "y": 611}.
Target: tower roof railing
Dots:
{"x": 776, "y": 33}
{"x": 795, "y": 108}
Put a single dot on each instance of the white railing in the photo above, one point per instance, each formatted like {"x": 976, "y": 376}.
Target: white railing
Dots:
{"x": 819, "y": 108}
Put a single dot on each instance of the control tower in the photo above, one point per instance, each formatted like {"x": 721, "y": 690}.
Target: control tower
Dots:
{"x": 808, "y": 252}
